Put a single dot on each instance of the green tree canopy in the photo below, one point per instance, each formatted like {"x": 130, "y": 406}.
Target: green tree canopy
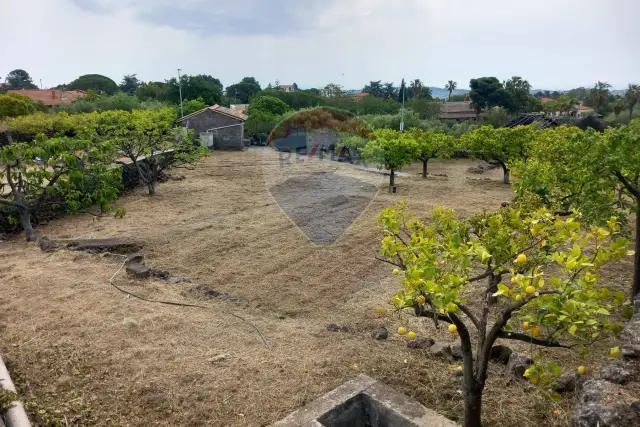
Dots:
{"x": 14, "y": 105}
{"x": 552, "y": 266}
{"x": 391, "y": 150}
{"x": 20, "y": 79}
{"x": 191, "y": 106}
{"x": 193, "y": 87}
{"x": 73, "y": 171}
{"x": 503, "y": 146}
{"x": 597, "y": 174}
{"x": 432, "y": 145}
{"x": 486, "y": 92}
{"x": 268, "y": 105}
{"x": 96, "y": 82}
{"x": 130, "y": 84}
{"x": 243, "y": 91}
{"x": 374, "y": 88}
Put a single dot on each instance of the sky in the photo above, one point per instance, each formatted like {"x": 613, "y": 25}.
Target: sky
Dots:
{"x": 554, "y": 44}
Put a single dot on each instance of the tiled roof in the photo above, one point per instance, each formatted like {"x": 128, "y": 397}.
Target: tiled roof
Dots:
{"x": 456, "y": 110}
{"x": 50, "y": 96}
{"x": 218, "y": 109}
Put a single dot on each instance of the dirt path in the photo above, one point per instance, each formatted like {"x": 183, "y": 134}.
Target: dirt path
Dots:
{"x": 84, "y": 354}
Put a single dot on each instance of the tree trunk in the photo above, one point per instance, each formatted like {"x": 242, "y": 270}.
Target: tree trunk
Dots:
{"x": 392, "y": 178}
{"x": 636, "y": 265}
{"x": 473, "y": 407}
{"x": 506, "y": 174}
{"x": 424, "y": 168}
{"x": 631, "y": 112}
{"x": 152, "y": 188}
{"x": 25, "y": 221}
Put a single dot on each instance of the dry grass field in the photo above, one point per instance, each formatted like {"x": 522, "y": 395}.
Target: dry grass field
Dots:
{"x": 84, "y": 354}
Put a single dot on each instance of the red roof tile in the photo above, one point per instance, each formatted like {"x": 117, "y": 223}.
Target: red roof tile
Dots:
{"x": 50, "y": 96}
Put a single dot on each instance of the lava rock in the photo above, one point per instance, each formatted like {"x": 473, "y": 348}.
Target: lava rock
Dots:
{"x": 616, "y": 372}
{"x": 518, "y": 364}
{"x": 337, "y": 328}
{"x": 568, "y": 383}
{"x": 138, "y": 271}
{"x": 456, "y": 351}
{"x": 630, "y": 335}
{"x": 605, "y": 404}
{"x": 47, "y": 245}
{"x": 380, "y": 334}
{"x": 422, "y": 343}
{"x": 441, "y": 349}
{"x": 500, "y": 354}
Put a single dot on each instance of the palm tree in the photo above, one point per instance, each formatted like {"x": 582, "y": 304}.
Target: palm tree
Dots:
{"x": 600, "y": 95}
{"x": 632, "y": 97}
{"x": 451, "y": 86}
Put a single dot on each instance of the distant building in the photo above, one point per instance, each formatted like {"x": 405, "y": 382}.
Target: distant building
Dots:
{"x": 50, "y": 97}
{"x": 457, "y": 111}
{"x": 287, "y": 88}
{"x": 218, "y": 127}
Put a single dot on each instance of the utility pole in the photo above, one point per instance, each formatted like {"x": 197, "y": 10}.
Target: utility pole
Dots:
{"x": 402, "y": 120}
{"x": 180, "y": 86}
{"x": 40, "y": 84}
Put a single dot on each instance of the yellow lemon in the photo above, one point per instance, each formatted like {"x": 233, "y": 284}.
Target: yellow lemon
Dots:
{"x": 556, "y": 412}
{"x": 535, "y": 332}
{"x": 615, "y": 352}
{"x": 514, "y": 281}
{"x": 452, "y": 308}
{"x": 453, "y": 329}
{"x": 421, "y": 299}
{"x": 396, "y": 271}
{"x": 530, "y": 290}
{"x": 522, "y": 258}
{"x": 518, "y": 298}
{"x": 525, "y": 325}
{"x": 411, "y": 335}
{"x": 543, "y": 244}
{"x": 582, "y": 370}
{"x": 402, "y": 331}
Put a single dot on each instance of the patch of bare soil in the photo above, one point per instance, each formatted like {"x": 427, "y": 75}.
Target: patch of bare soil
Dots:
{"x": 84, "y": 354}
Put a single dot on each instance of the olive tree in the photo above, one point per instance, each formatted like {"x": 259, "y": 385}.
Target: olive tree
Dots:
{"x": 432, "y": 145}
{"x": 391, "y": 150}
{"x": 543, "y": 270}
{"x": 73, "y": 172}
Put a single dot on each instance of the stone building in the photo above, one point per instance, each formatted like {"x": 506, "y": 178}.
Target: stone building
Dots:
{"x": 218, "y": 127}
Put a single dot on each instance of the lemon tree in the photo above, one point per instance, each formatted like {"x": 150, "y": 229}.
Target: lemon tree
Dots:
{"x": 501, "y": 147}
{"x": 537, "y": 276}
{"x": 432, "y": 145}
{"x": 596, "y": 173}
{"x": 391, "y": 150}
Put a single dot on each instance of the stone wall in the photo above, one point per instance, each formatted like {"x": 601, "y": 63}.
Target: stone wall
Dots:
{"x": 224, "y": 139}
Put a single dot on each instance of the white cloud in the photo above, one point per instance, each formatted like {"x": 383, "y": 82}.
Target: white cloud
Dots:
{"x": 552, "y": 43}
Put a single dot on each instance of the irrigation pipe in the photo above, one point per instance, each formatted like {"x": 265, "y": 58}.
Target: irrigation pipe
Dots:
{"x": 15, "y": 416}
